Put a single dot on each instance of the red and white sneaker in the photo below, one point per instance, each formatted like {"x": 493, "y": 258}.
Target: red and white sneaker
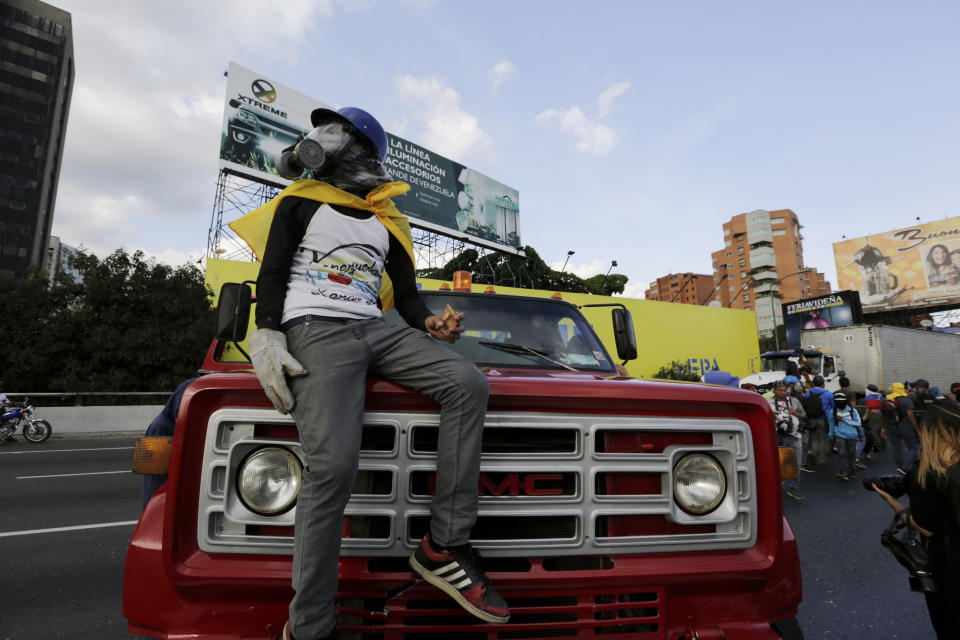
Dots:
{"x": 457, "y": 573}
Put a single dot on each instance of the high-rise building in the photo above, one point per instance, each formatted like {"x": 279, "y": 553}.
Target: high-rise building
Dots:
{"x": 36, "y": 82}
{"x": 761, "y": 266}
{"x": 819, "y": 284}
{"x": 688, "y": 288}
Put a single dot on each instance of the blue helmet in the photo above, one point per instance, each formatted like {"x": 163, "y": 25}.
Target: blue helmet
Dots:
{"x": 791, "y": 380}
{"x": 361, "y": 120}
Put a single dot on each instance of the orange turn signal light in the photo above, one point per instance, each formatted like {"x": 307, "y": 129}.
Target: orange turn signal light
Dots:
{"x": 788, "y": 464}
{"x": 151, "y": 456}
{"x": 461, "y": 281}
{"x": 557, "y": 296}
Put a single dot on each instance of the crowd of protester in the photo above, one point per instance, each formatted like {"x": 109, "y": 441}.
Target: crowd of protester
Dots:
{"x": 833, "y": 429}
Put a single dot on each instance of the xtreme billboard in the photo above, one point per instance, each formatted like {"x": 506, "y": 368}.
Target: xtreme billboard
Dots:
{"x": 262, "y": 118}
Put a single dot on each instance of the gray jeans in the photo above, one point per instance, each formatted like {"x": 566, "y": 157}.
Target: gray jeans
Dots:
{"x": 816, "y": 443}
{"x": 329, "y": 416}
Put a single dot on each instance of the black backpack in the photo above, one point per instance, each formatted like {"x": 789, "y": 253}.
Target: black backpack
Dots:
{"x": 890, "y": 412}
{"x": 812, "y": 406}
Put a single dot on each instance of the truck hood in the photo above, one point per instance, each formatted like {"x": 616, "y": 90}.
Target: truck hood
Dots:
{"x": 540, "y": 390}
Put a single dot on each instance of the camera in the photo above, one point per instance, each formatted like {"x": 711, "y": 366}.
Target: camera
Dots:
{"x": 894, "y": 484}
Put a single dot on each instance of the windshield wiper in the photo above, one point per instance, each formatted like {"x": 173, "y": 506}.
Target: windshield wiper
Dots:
{"x": 522, "y": 350}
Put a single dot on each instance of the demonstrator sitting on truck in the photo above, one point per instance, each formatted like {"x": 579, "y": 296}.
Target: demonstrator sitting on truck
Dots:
{"x": 319, "y": 319}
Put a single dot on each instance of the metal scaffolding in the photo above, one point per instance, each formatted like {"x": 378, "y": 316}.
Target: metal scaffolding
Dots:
{"x": 237, "y": 196}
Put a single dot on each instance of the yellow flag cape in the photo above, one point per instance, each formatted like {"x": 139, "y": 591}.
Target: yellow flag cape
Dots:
{"x": 254, "y": 227}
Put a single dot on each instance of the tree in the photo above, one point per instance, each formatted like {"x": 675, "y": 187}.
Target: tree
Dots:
{"x": 768, "y": 343}
{"x": 677, "y": 370}
{"x": 531, "y": 272}
{"x": 124, "y": 324}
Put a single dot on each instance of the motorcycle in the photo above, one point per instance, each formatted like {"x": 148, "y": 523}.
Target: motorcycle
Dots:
{"x": 34, "y": 429}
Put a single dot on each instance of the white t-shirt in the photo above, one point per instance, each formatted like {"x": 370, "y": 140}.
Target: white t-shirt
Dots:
{"x": 337, "y": 268}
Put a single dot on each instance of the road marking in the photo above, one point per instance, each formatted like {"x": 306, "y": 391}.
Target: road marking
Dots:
{"x": 13, "y": 453}
{"x": 70, "y": 475}
{"x": 8, "y": 534}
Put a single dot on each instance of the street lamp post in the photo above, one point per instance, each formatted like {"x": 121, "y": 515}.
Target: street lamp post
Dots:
{"x": 569, "y": 253}
{"x": 613, "y": 263}
{"x": 773, "y": 315}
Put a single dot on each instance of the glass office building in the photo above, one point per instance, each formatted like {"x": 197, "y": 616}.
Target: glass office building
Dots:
{"x": 36, "y": 80}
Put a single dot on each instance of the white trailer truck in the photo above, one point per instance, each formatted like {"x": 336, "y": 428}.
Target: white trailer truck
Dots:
{"x": 881, "y": 355}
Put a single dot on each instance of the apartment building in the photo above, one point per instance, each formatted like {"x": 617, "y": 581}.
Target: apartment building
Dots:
{"x": 688, "y": 288}
{"x": 761, "y": 266}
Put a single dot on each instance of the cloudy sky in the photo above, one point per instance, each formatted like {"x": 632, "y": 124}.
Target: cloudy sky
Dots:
{"x": 632, "y": 130}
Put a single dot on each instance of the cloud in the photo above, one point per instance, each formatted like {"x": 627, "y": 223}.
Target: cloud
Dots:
{"x": 591, "y": 135}
{"x": 501, "y": 72}
{"x": 144, "y": 129}
{"x": 584, "y": 270}
{"x": 635, "y": 290}
{"x": 444, "y": 125}
{"x": 605, "y": 101}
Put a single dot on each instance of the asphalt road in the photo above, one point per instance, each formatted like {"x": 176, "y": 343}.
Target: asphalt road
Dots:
{"x": 58, "y": 580}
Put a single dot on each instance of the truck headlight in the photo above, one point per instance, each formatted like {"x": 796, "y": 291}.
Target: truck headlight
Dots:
{"x": 699, "y": 483}
{"x": 268, "y": 481}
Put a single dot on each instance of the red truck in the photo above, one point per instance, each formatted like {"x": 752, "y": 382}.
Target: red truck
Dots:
{"x": 610, "y": 507}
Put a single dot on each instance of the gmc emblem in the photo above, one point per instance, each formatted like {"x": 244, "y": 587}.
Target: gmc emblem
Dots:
{"x": 514, "y": 484}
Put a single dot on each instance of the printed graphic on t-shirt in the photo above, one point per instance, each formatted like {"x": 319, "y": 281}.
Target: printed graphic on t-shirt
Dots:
{"x": 354, "y": 265}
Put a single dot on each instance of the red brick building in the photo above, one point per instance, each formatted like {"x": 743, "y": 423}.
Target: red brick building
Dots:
{"x": 688, "y": 288}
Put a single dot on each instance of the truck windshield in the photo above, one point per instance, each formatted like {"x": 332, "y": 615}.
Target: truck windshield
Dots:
{"x": 531, "y": 333}
{"x": 775, "y": 363}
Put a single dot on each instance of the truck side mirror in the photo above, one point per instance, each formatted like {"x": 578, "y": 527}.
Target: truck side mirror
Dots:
{"x": 233, "y": 312}
{"x": 623, "y": 334}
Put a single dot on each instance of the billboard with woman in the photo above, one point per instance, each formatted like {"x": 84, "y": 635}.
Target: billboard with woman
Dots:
{"x": 917, "y": 266}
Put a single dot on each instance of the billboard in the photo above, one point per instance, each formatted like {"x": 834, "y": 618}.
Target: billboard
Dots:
{"x": 917, "y": 266}
{"x": 261, "y": 118}
{"x": 839, "y": 309}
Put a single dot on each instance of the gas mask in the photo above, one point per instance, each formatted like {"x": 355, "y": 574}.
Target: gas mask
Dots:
{"x": 334, "y": 153}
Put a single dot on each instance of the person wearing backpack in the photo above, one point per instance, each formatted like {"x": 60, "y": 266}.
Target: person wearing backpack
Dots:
{"x": 873, "y": 423}
{"x": 846, "y": 429}
{"x": 921, "y": 395}
{"x": 905, "y": 430}
{"x": 819, "y": 407}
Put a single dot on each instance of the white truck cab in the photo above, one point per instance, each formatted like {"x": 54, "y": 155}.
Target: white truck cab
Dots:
{"x": 773, "y": 365}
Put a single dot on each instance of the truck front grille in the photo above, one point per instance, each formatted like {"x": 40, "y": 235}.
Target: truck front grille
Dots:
{"x": 552, "y": 485}
{"x": 613, "y": 614}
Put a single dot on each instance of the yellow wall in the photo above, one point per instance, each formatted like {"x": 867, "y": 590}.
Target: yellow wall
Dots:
{"x": 707, "y": 337}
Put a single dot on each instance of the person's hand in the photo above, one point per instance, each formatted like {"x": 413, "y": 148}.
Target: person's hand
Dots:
{"x": 271, "y": 360}
{"x": 895, "y": 504}
{"x": 437, "y": 327}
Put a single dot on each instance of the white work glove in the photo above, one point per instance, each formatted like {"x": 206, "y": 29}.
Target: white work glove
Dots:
{"x": 268, "y": 352}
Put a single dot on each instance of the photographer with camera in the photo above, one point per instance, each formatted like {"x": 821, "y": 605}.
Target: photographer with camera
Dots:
{"x": 934, "y": 489}
{"x": 787, "y": 413}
